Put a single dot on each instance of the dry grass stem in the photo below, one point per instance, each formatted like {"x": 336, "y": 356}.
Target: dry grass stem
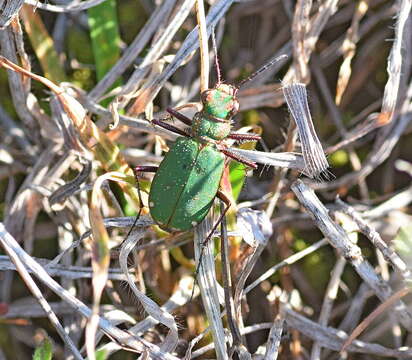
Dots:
{"x": 316, "y": 240}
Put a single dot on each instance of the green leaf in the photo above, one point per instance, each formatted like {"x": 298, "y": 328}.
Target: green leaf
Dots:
{"x": 237, "y": 177}
{"x": 101, "y": 354}
{"x": 42, "y": 44}
{"x": 339, "y": 158}
{"x": 105, "y": 36}
{"x": 44, "y": 351}
{"x": 237, "y": 170}
{"x": 403, "y": 244}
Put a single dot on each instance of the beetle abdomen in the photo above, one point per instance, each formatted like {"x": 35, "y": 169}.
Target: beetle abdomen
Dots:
{"x": 185, "y": 184}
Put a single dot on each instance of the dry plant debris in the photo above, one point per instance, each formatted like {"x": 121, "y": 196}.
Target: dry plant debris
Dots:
{"x": 325, "y": 266}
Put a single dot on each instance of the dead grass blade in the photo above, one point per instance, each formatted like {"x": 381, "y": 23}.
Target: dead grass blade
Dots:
{"x": 153, "y": 310}
{"x": 122, "y": 337}
{"x": 152, "y": 88}
{"x": 210, "y": 289}
{"x": 338, "y": 238}
{"x": 349, "y": 49}
{"x": 394, "y": 68}
{"x": 100, "y": 258}
{"x": 313, "y": 154}
{"x": 104, "y": 150}
{"x": 373, "y": 315}
{"x": 204, "y": 49}
{"x": 9, "y": 9}
{"x": 7, "y": 242}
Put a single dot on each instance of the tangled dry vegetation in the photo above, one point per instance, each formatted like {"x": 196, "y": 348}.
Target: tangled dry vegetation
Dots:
{"x": 320, "y": 267}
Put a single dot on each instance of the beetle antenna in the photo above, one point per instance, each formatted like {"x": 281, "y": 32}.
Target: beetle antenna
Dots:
{"x": 262, "y": 69}
{"x": 219, "y": 78}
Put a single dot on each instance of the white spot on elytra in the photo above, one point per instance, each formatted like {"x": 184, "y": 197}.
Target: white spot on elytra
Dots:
{"x": 151, "y": 204}
{"x": 194, "y": 223}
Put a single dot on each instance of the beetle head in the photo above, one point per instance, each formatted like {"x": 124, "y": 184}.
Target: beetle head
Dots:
{"x": 221, "y": 101}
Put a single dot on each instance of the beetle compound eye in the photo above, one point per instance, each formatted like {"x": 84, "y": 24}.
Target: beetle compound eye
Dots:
{"x": 205, "y": 96}
{"x": 235, "y": 107}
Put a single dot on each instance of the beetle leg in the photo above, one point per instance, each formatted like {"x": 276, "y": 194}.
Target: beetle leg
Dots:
{"x": 136, "y": 170}
{"x": 169, "y": 127}
{"x": 178, "y": 115}
{"x": 239, "y": 158}
{"x": 244, "y": 137}
{"x": 227, "y": 202}
{"x": 227, "y": 283}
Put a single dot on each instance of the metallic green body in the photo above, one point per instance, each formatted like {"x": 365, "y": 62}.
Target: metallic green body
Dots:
{"x": 185, "y": 184}
{"x": 188, "y": 178}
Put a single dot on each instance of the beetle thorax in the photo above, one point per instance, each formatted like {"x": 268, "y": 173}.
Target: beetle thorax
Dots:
{"x": 219, "y": 106}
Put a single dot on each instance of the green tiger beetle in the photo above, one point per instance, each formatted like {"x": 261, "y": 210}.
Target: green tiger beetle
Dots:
{"x": 187, "y": 180}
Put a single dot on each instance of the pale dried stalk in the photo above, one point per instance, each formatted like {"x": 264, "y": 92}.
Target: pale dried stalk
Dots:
{"x": 390, "y": 255}
{"x": 204, "y": 49}
{"x": 131, "y": 53}
{"x": 346, "y": 248}
{"x": 234, "y": 323}
{"x": 356, "y": 308}
{"x": 152, "y": 88}
{"x": 382, "y": 307}
{"x": 84, "y": 5}
{"x": 121, "y": 336}
{"x": 305, "y": 48}
{"x": 391, "y": 134}
{"x": 209, "y": 285}
{"x": 286, "y": 160}
{"x": 330, "y": 338}
{"x": 349, "y": 48}
{"x": 390, "y": 96}
{"x": 19, "y": 87}
{"x": 334, "y": 51}
{"x": 180, "y": 297}
{"x": 300, "y": 27}
{"x": 7, "y": 243}
{"x": 256, "y": 229}
{"x": 312, "y": 151}
{"x": 148, "y": 304}
{"x": 274, "y": 338}
{"x": 9, "y": 9}
{"x": 337, "y": 119}
{"x": 32, "y": 309}
{"x": 68, "y": 272}
{"x": 129, "y": 89}
{"x": 333, "y": 339}
{"x": 288, "y": 261}
{"x": 381, "y": 149}
{"x": 328, "y": 301}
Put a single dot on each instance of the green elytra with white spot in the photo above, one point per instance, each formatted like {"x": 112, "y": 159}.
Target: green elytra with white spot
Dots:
{"x": 188, "y": 178}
